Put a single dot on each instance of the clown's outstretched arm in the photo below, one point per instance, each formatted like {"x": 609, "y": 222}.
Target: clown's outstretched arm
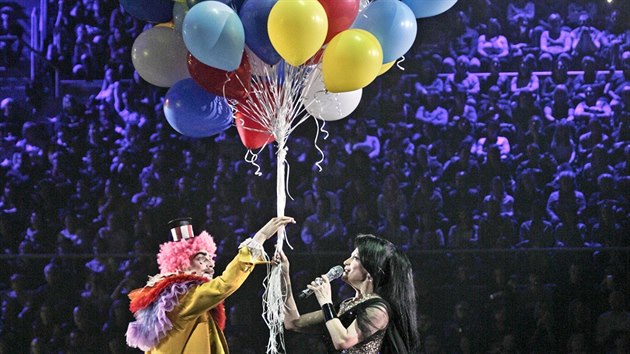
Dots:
{"x": 251, "y": 252}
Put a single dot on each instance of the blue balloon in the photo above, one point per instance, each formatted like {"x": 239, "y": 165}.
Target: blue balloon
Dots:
{"x": 428, "y": 8}
{"x": 392, "y": 23}
{"x": 254, "y": 15}
{"x": 213, "y": 33}
{"x": 192, "y": 3}
{"x": 237, "y": 4}
{"x": 155, "y": 11}
{"x": 195, "y": 112}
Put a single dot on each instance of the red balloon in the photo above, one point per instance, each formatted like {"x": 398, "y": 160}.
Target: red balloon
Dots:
{"x": 341, "y": 15}
{"x": 230, "y": 84}
{"x": 253, "y": 135}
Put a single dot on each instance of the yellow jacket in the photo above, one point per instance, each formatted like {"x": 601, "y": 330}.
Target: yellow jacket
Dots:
{"x": 193, "y": 328}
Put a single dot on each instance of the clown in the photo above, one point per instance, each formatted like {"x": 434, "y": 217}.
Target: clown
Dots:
{"x": 180, "y": 310}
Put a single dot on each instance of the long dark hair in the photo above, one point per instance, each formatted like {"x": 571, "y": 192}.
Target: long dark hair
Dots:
{"x": 392, "y": 278}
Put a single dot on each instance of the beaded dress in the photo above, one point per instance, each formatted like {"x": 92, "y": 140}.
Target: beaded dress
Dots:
{"x": 356, "y": 309}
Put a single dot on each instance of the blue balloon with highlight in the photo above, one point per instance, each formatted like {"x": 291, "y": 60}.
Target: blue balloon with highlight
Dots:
{"x": 429, "y": 8}
{"x": 213, "y": 33}
{"x": 392, "y": 23}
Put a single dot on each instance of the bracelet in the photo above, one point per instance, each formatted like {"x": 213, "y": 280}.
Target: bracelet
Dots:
{"x": 329, "y": 312}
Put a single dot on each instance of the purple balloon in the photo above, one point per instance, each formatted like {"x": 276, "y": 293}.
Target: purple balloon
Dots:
{"x": 192, "y": 3}
{"x": 195, "y": 112}
{"x": 155, "y": 11}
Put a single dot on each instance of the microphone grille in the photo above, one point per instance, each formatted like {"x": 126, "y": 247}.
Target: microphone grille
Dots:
{"x": 335, "y": 272}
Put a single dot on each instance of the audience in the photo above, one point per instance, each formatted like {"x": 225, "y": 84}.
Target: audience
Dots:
{"x": 12, "y": 31}
{"x": 513, "y": 166}
{"x": 555, "y": 42}
{"x": 493, "y": 44}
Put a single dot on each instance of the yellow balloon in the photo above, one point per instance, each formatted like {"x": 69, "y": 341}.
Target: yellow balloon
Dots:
{"x": 297, "y": 29}
{"x": 352, "y": 59}
{"x": 169, "y": 24}
{"x": 386, "y": 67}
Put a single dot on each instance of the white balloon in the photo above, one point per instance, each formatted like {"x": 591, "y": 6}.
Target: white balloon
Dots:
{"x": 160, "y": 56}
{"x": 326, "y": 105}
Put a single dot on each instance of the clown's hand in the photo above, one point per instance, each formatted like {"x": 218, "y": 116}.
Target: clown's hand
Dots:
{"x": 272, "y": 227}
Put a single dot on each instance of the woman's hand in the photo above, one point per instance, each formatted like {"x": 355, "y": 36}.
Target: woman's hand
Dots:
{"x": 272, "y": 227}
{"x": 282, "y": 260}
{"x": 321, "y": 289}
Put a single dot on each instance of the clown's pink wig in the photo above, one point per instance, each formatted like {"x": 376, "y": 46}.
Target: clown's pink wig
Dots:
{"x": 175, "y": 255}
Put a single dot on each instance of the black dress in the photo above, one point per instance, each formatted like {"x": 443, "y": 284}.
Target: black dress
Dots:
{"x": 385, "y": 340}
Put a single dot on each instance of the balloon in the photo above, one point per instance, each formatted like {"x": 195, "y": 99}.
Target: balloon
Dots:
{"x": 263, "y": 70}
{"x": 254, "y": 15}
{"x": 252, "y": 134}
{"x": 257, "y": 65}
{"x": 169, "y": 24}
{"x": 192, "y": 3}
{"x": 317, "y": 58}
{"x": 428, "y": 8}
{"x": 341, "y": 14}
{"x": 392, "y": 23}
{"x": 179, "y": 12}
{"x": 297, "y": 29}
{"x": 214, "y": 34}
{"x": 155, "y": 11}
{"x": 325, "y": 105}
{"x": 159, "y": 56}
{"x": 385, "y": 67}
{"x": 230, "y": 84}
{"x": 352, "y": 59}
{"x": 194, "y": 112}
{"x": 237, "y": 4}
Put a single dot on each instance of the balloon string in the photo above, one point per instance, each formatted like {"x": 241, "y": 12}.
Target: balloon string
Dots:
{"x": 254, "y": 129}
{"x": 323, "y": 130}
{"x": 286, "y": 187}
{"x": 321, "y": 153}
{"x": 280, "y": 184}
{"x": 251, "y": 158}
{"x": 363, "y": 4}
{"x": 400, "y": 61}
{"x": 286, "y": 183}
{"x": 227, "y": 79}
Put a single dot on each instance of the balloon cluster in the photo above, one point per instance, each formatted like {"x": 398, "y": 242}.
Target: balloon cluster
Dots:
{"x": 262, "y": 65}
{"x": 209, "y": 52}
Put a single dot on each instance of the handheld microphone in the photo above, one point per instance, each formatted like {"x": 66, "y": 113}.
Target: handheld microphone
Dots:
{"x": 334, "y": 273}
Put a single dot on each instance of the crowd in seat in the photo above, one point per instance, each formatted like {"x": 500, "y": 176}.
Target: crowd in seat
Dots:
{"x": 499, "y": 159}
